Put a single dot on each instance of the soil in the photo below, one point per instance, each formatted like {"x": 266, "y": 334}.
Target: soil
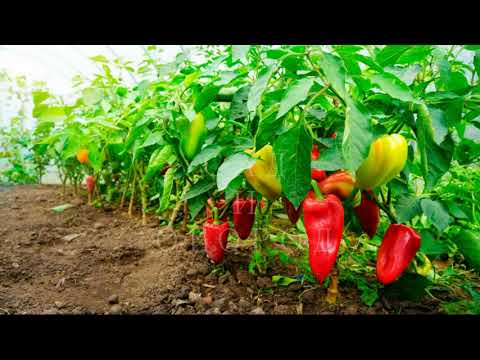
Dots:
{"x": 86, "y": 260}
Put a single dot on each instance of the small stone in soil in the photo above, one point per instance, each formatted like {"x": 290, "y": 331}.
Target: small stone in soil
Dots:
{"x": 194, "y": 297}
{"x": 59, "y": 304}
{"x": 98, "y": 225}
{"x": 113, "y": 299}
{"x": 243, "y": 304}
{"x": 116, "y": 309}
{"x": 70, "y": 237}
{"x": 257, "y": 311}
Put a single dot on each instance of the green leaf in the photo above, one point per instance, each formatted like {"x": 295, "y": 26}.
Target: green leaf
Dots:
{"x": 439, "y": 124}
{"x": 472, "y": 133}
{"x": 293, "y": 156}
{"x": 407, "y": 207}
{"x": 334, "y": 72}
{"x": 205, "y": 155}
{"x": 92, "y": 96}
{"x": 153, "y": 139}
{"x": 296, "y": 93}
{"x": 436, "y": 213}
{"x": 99, "y": 58}
{"x": 167, "y": 189}
{"x": 232, "y": 167}
{"x": 472, "y": 47}
{"x": 390, "y": 54}
{"x": 238, "y": 107}
{"x": 40, "y": 96}
{"x": 258, "y": 88}
{"x": 408, "y": 287}
{"x": 283, "y": 280}
{"x": 357, "y": 135}
{"x": 393, "y": 86}
{"x": 414, "y": 54}
{"x": 195, "y": 205}
{"x": 267, "y": 128}
{"x": 239, "y": 51}
{"x": 232, "y": 188}
{"x": 424, "y": 132}
{"x": 476, "y": 62}
{"x": 206, "y": 96}
{"x": 469, "y": 244}
{"x": 158, "y": 160}
{"x": 330, "y": 159}
{"x": 432, "y": 247}
{"x": 199, "y": 188}
{"x": 62, "y": 208}
{"x": 52, "y": 113}
{"x": 456, "y": 211}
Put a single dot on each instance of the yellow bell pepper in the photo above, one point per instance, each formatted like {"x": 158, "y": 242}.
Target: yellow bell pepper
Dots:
{"x": 387, "y": 157}
{"x": 262, "y": 175}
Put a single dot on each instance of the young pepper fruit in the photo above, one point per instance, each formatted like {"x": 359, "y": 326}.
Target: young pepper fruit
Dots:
{"x": 192, "y": 138}
{"x": 398, "y": 248}
{"x": 215, "y": 236}
{"x": 386, "y": 158}
{"x": 262, "y": 175}
{"x": 323, "y": 218}
{"x": 317, "y": 174}
{"x": 341, "y": 184}
{"x": 243, "y": 216}
{"x": 292, "y": 213}
{"x": 368, "y": 213}
{"x": 90, "y": 181}
{"x": 82, "y": 156}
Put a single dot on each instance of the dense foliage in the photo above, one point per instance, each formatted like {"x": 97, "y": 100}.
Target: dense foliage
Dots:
{"x": 188, "y": 130}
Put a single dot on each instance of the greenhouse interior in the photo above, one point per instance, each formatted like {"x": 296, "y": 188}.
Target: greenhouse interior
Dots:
{"x": 239, "y": 180}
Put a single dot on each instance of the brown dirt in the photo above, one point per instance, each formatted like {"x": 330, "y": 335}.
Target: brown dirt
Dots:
{"x": 85, "y": 260}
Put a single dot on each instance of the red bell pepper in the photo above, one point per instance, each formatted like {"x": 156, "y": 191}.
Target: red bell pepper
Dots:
{"x": 317, "y": 174}
{"x": 368, "y": 213}
{"x": 243, "y": 216}
{"x": 323, "y": 218}
{"x": 219, "y": 204}
{"x": 215, "y": 238}
{"x": 90, "y": 180}
{"x": 398, "y": 248}
{"x": 341, "y": 184}
{"x": 293, "y": 214}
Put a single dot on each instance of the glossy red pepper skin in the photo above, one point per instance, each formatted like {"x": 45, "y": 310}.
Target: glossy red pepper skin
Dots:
{"x": 220, "y": 204}
{"x": 90, "y": 181}
{"x": 398, "y": 248}
{"x": 341, "y": 184}
{"x": 368, "y": 213}
{"x": 292, "y": 213}
{"x": 324, "y": 221}
{"x": 243, "y": 216}
{"x": 317, "y": 174}
{"x": 215, "y": 239}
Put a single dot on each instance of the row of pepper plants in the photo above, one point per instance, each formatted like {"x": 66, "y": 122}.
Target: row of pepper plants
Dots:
{"x": 356, "y": 145}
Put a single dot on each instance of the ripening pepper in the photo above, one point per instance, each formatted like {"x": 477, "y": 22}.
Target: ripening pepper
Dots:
{"x": 243, "y": 216}
{"x": 341, "y": 184}
{"x": 323, "y": 218}
{"x": 215, "y": 236}
{"x": 192, "y": 138}
{"x": 82, "y": 156}
{"x": 398, "y": 248}
{"x": 292, "y": 213}
{"x": 90, "y": 181}
{"x": 386, "y": 158}
{"x": 219, "y": 204}
{"x": 262, "y": 175}
{"x": 317, "y": 174}
{"x": 368, "y": 213}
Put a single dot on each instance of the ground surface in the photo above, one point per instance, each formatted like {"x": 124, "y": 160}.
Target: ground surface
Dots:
{"x": 94, "y": 261}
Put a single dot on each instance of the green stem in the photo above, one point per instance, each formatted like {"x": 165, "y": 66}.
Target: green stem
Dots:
{"x": 318, "y": 193}
{"x": 216, "y": 221}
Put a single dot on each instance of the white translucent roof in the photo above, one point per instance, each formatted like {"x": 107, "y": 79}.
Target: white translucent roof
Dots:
{"x": 58, "y": 64}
